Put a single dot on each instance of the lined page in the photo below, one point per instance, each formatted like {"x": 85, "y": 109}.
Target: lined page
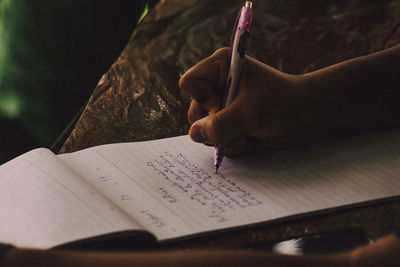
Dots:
{"x": 169, "y": 185}
{"x": 43, "y": 203}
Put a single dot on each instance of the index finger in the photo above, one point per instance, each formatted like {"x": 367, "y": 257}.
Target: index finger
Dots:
{"x": 204, "y": 79}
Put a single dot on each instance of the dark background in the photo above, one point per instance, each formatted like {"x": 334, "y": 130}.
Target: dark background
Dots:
{"x": 52, "y": 54}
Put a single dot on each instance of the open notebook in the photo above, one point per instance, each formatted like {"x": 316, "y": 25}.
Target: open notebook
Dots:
{"x": 168, "y": 187}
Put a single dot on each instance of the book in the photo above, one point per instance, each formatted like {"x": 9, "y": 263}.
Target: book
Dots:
{"x": 169, "y": 187}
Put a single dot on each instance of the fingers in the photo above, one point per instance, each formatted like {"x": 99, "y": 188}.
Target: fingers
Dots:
{"x": 268, "y": 111}
{"x": 203, "y": 82}
{"x": 211, "y": 125}
{"x": 206, "y": 78}
{"x": 225, "y": 125}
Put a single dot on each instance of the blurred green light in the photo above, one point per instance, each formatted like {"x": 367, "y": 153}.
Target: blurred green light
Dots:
{"x": 10, "y": 105}
{"x": 145, "y": 11}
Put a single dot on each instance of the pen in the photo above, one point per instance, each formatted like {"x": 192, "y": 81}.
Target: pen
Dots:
{"x": 238, "y": 45}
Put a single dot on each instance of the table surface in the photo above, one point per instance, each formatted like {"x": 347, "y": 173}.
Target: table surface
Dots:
{"x": 138, "y": 97}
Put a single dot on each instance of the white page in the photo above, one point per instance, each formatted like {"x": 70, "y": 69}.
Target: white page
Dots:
{"x": 43, "y": 203}
{"x": 169, "y": 185}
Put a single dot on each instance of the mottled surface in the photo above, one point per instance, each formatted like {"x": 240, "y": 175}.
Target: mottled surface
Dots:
{"x": 139, "y": 98}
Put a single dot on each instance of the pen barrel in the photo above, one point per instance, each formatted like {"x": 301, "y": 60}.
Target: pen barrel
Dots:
{"x": 238, "y": 49}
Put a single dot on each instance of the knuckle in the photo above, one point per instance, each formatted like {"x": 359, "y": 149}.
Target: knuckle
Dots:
{"x": 221, "y": 56}
{"x": 184, "y": 82}
{"x": 221, "y": 53}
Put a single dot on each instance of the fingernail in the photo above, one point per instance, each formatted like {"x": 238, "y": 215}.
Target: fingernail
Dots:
{"x": 198, "y": 134}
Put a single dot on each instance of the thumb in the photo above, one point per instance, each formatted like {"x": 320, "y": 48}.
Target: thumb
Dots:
{"x": 218, "y": 128}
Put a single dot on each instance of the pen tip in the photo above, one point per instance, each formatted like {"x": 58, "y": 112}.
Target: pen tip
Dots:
{"x": 216, "y": 169}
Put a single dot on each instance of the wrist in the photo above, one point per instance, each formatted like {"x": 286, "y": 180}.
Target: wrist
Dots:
{"x": 326, "y": 104}
{"x": 311, "y": 106}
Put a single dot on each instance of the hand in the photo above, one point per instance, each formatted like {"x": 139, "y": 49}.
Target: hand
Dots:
{"x": 270, "y": 109}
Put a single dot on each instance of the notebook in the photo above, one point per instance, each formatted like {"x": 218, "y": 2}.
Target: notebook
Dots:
{"x": 169, "y": 187}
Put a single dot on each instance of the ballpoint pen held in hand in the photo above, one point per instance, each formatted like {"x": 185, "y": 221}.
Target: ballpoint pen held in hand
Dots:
{"x": 240, "y": 34}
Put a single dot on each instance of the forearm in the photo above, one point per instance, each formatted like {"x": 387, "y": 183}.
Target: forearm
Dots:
{"x": 26, "y": 257}
{"x": 385, "y": 252}
{"x": 358, "y": 94}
